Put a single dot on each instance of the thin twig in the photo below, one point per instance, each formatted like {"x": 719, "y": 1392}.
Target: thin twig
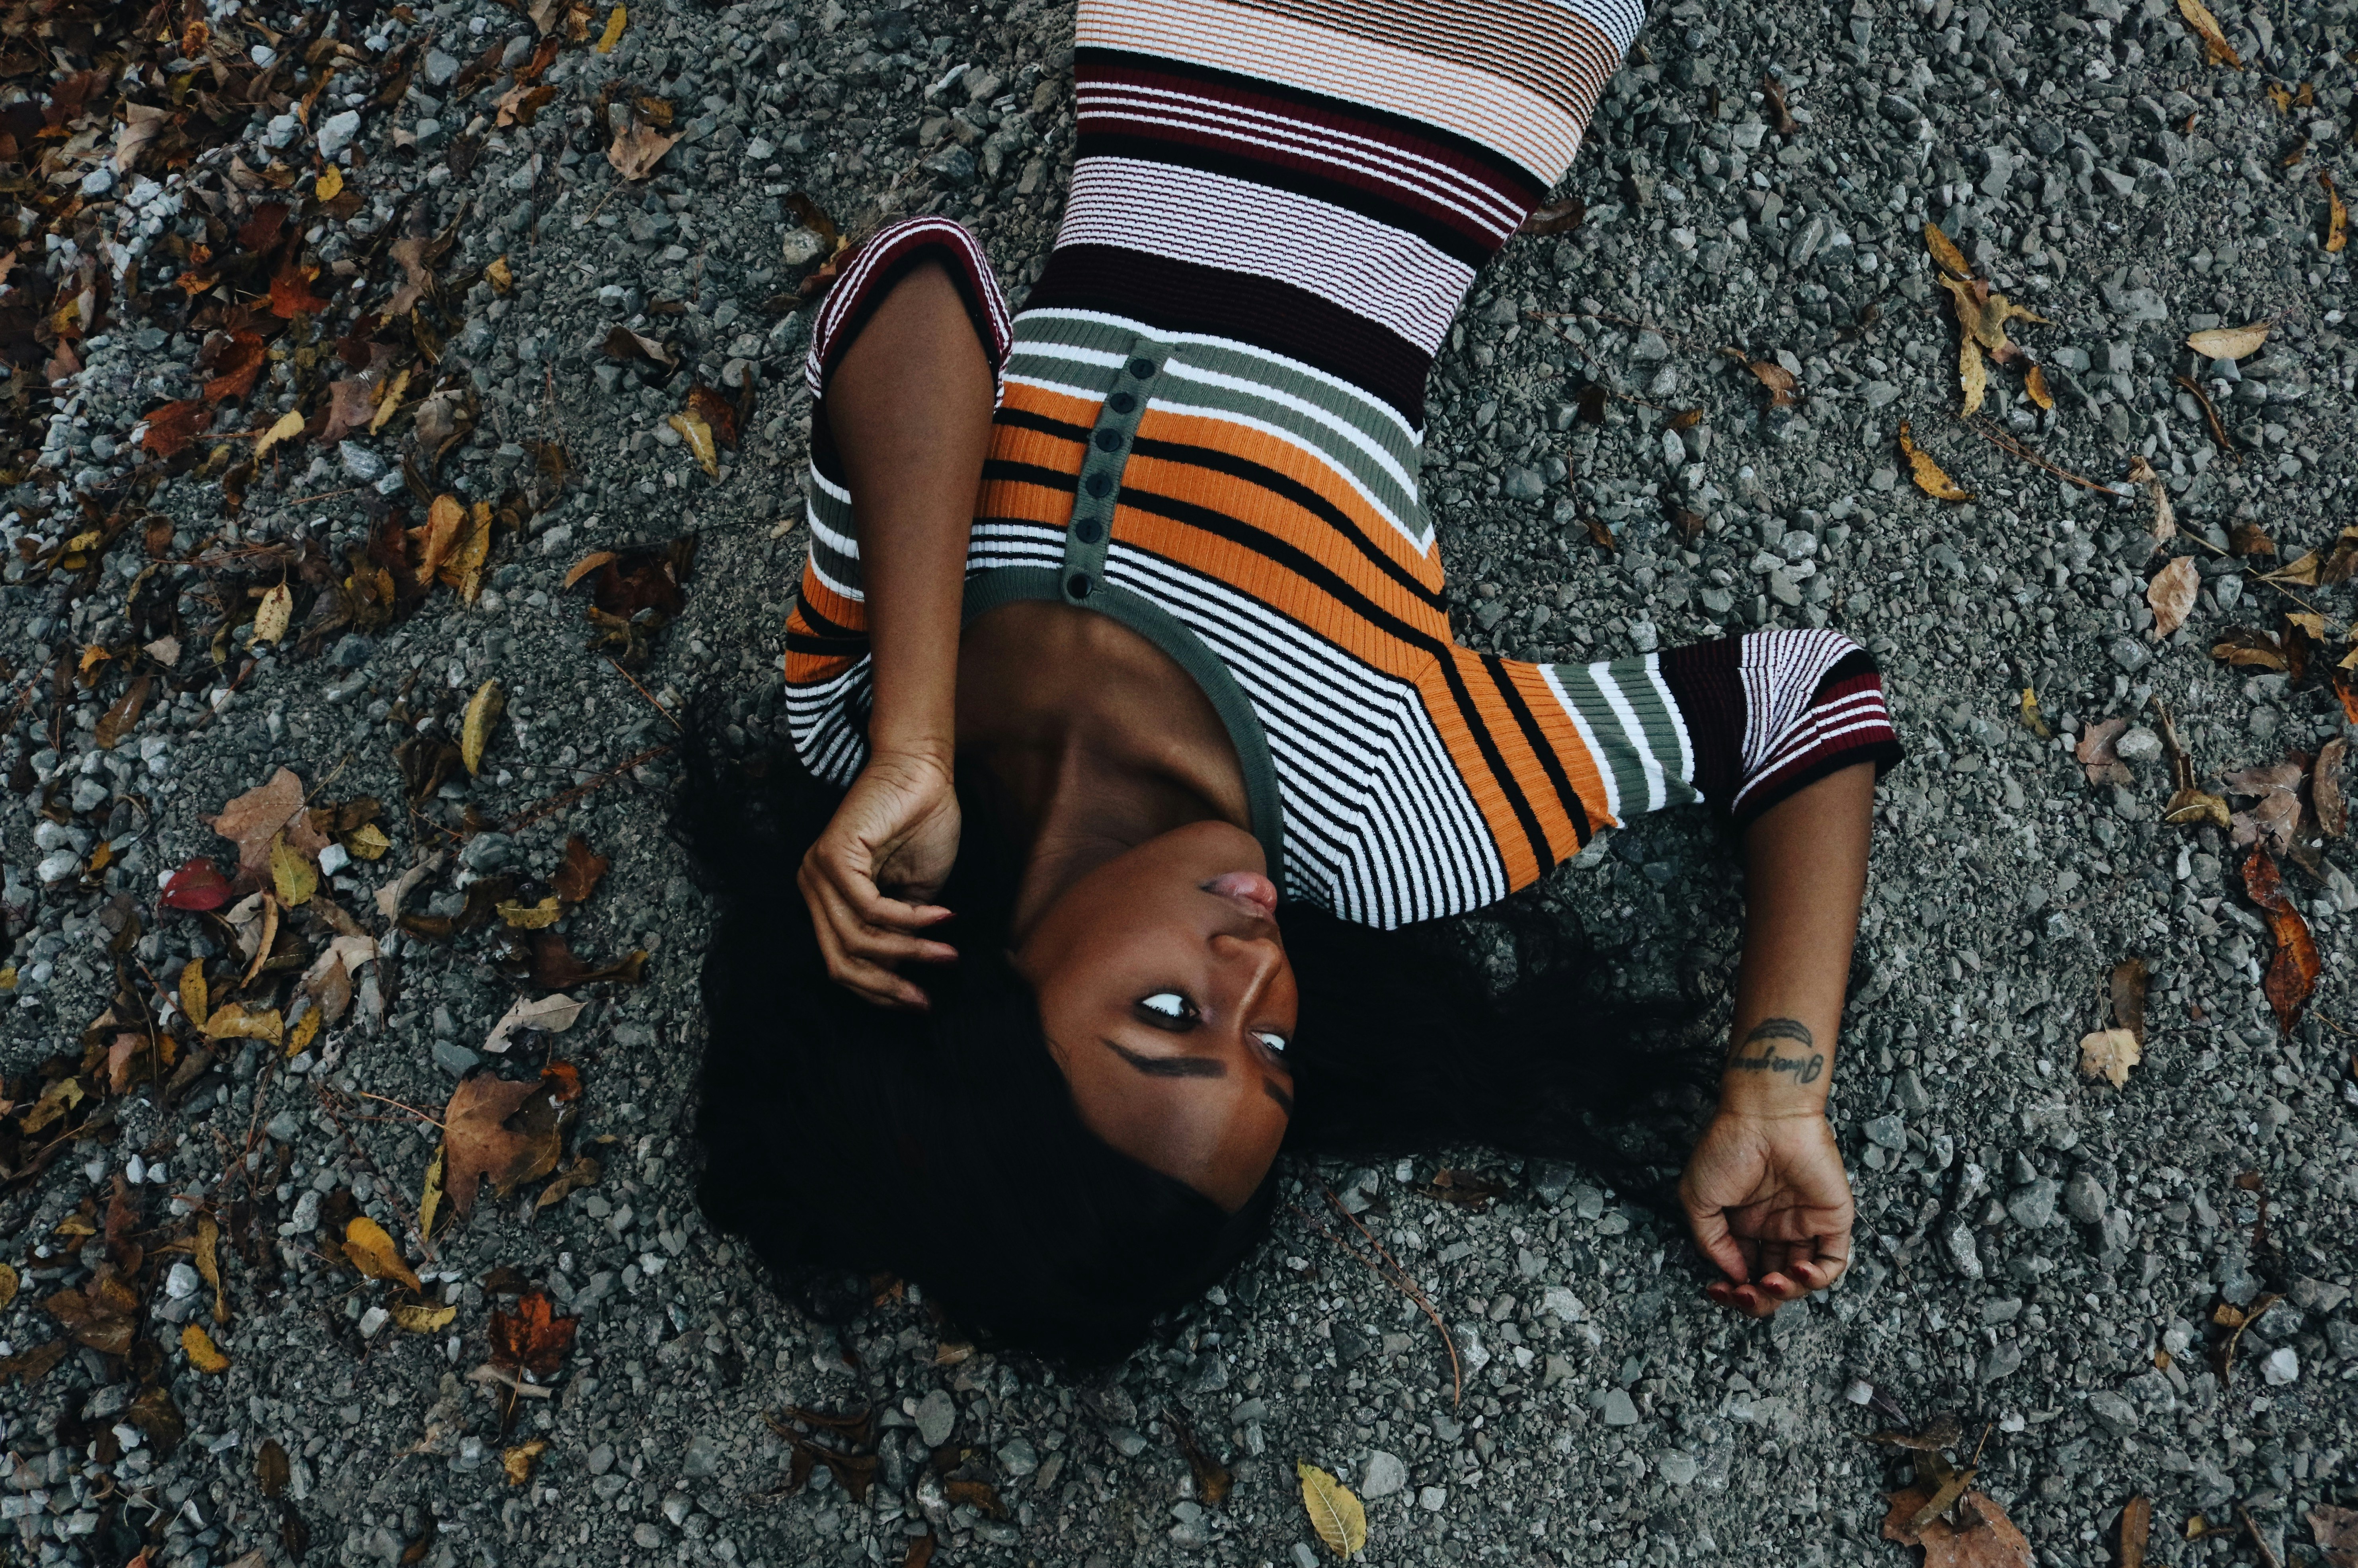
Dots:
{"x": 1399, "y": 1277}
{"x": 325, "y": 495}
{"x": 388, "y": 1099}
{"x": 557, "y": 803}
{"x": 2260, "y": 578}
{"x": 392, "y": 1194}
{"x": 2008, "y": 444}
{"x": 643, "y": 691}
{"x": 2257, "y": 1540}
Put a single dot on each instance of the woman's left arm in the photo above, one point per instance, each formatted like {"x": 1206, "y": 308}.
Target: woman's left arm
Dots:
{"x": 1765, "y": 1191}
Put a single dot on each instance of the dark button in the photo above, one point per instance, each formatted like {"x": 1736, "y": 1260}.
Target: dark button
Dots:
{"x": 1109, "y": 440}
{"x": 1088, "y": 530}
{"x": 1121, "y": 403}
{"x": 1097, "y": 484}
{"x": 1141, "y": 369}
{"x": 1078, "y": 585}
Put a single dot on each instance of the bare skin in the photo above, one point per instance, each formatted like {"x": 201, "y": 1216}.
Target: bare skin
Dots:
{"x": 1142, "y": 917}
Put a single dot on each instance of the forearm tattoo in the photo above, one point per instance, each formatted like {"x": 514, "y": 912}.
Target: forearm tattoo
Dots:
{"x": 1804, "y": 1067}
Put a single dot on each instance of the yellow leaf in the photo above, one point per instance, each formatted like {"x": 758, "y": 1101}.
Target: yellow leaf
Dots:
{"x": 429, "y": 1199}
{"x": 475, "y": 732}
{"x": 613, "y": 33}
{"x": 389, "y": 399}
{"x": 289, "y": 423}
{"x": 2337, "y": 216}
{"x": 307, "y": 1029}
{"x": 1973, "y": 373}
{"x": 497, "y": 272}
{"x": 7, "y": 1286}
{"x": 367, "y": 842}
{"x": 203, "y": 1354}
{"x": 231, "y": 1020}
{"x": 2030, "y": 715}
{"x": 698, "y": 437}
{"x": 2230, "y": 343}
{"x": 277, "y": 609}
{"x": 2215, "y": 48}
{"x": 292, "y": 875}
{"x": 2035, "y": 384}
{"x": 416, "y": 1319}
{"x": 1337, "y": 1516}
{"x": 193, "y": 999}
{"x": 373, "y": 1252}
{"x": 1944, "y": 251}
{"x": 1927, "y": 473}
{"x": 517, "y": 1461}
{"x": 2109, "y": 1054}
{"x": 330, "y": 185}
{"x": 586, "y": 565}
{"x": 530, "y": 916}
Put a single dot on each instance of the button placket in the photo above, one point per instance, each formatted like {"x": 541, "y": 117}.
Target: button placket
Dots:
{"x": 1089, "y": 533}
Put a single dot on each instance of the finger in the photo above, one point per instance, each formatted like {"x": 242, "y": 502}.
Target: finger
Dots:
{"x": 882, "y": 944}
{"x": 1713, "y": 1239}
{"x": 1821, "y": 1273}
{"x": 866, "y": 980}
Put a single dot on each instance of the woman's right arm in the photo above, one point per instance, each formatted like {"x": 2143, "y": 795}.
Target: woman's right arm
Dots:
{"x": 908, "y": 408}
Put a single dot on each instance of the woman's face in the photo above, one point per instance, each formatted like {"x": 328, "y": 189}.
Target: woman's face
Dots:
{"x": 1167, "y": 1000}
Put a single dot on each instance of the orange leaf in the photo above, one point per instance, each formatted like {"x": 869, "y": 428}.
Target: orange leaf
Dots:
{"x": 171, "y": 427}
{"x": 290, "y": 291}
{"x": 2292, "y": 973}
{"x": 1990, "y": 1541}
{"x": 533, "y": 1337}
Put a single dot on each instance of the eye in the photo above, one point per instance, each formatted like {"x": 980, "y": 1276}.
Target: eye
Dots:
{"x": 1274, "y": 1042}
{"x": 1169, "y": 1005}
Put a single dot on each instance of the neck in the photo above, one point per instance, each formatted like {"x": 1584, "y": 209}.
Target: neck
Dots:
{"x": 1077, "y": 805}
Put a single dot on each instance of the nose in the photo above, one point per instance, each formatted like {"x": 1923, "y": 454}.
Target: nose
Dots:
{"x": 1260, "y": 958}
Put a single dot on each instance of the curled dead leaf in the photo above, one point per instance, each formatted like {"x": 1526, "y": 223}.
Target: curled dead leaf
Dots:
{"x": 2034, "y": 384}
{"x": 2337, "y": 216}
{"x": 202, "y": 1353}
{"x": 2171, "y": 595}
{"x": 483, "y": 711}
{"x": 637, "y": 150}
{"x": 1928, "y": 474}
{"x": 2332, "y": 807}
{"x": 2216, "y": 50}
{"x": 2109, "y": 1054}
{"x": 412, "y": 1317}
{"x": 1972, "y": 375}
{"x": 698, "y": 436}
{"x": 1944, "y": 251}
{"x": 2293, "y": 970}
{"x": 2230, "y": 343}
{"x": 289, "y": 424}
{"x": 374, "y": 1253}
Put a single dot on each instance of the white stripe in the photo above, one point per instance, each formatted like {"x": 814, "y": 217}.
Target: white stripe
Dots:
{"x": 1678, "y": 721}
{"x": 1417, "y": 542}
{"x": 846, "y": 590}
{"x": 1815, "y": 741}
{"x": 1393, "y": 279}
{"x": 1648, "y": 763}
{"x": 1588, "y": 738}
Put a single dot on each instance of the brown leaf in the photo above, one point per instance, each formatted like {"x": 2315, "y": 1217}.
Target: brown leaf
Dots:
{"x": 272, "y": 1469}
{"x": 496, "y": 1130}
{"x": 2129, "y": 980}
{"x": 1780, "y": 381}
{"x": 636, "y": 151}
{"x": 716, "y": 410}
{"x": 1556, "y": 217}
{"x": 2274, "y": 790}
{"x": 2034, "y": 383}
{"x": 117, "y": 720}
{"x": 979, "y": 1494}
{"x": 2136, "y": 1531}
{"x": 103, "y": 1314}
{"x": 171, "y": 427}
{"x": 2335, "y": 1532}
{"x": 375, "y": 1253}
{"x": 2293, "y": 971}
{"x": 622, "y": 343}
{"x": 1944, "y": 251}
{"x": 2337, "y": 216}
{"x": 1773, "y": 92}
{"x": 290, "y": 291}
{"x": 2230, "y": 343}
{"x": 2171, "y": 595}
{"x": 2325, "y": 796}
{"x": 2095, "y": 753}
{"x": 2249, "y": 648}
{"x": 1928, "y": 474}
{"x": 1989, "y": 1540}
{"x": 533, "y": 1337}
{"x": 409, "y": 253}
{"x": 444, "y": 519}
{"x": 576, "y": 879}
{"x": 583, "y": 1173}
{"x": 555, "y": 968}
{"x": 258, "y": 815}
{"x": 261, "y": 229}
{"x": 520, "y": 105}
{"x": 1972, "y": 375}
{"x": 351, "y": 403}
{"x": 2216, "y": 50}
{"x": 234, "y": 362}
{"x": 29, "y": 1366}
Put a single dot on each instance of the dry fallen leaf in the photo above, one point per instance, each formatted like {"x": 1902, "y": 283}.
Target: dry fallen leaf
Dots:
{"x": 289, "y": 424}
{"x": 2165, "y": 517}
{"x": 412, "y": 1317}
{"x": 2130, "y": 979}
{"x": 1780, "y": 381}
{"x": 1338, "y": 1518}
{"x": 1556, "y": 218}
{"x": 7, "y": 1286}
{"x": 293, "y": 878}
{"x": 483, "y": 711}
{"x": 698, "y": 436}
{"x": 2337, "y": 216}
{"x": 2249, "y": 647}
{"x": 1944, "y": 251}
{"x": 583, "y": 1173}
{"x": 2109, "y": 1054}
{"x": 1981, "y": 316}
{"x": 517, "y": 1463}
{"x": 533, "y": 1338}
{"x": 171, "y": 427}
{"x": 2336, "y": 1533}
{"x": 576, "y": 879}
{"x": 374, "y": 1253}
{"x": 1989, "y": 1540}
{"x": 615, "y": 23}
{"x": 2293, "y": 971}
{"x": 2230, "y": 343}
{"x": 2171, "y": 594}
{"x": 2034, "y": 383}
{"x": 203, "y": 1354}
{"x": 2325, "y": 794}
{"x": 2215, "y": 48}
{"x": 2095, "y": 753}
{"x": 2031, "y": 718}
{"x": 234, "y": 1020}
{"x": 636, "y": 151}
{"x": 1926, "y": 472}
{"x": 550, "y": 1014}
{"x": 2275, "y": 791}
{"x": 2136, "y": 1531}
{"x": 479, "y": 1144}
{"x": 271, "y": 617}
{"x": 1972, "y": 375}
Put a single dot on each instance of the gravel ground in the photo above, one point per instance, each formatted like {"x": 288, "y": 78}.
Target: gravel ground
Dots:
{"x": 2038, "y": 1254}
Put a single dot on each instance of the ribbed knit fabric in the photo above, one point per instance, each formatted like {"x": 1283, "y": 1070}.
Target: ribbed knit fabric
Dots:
{"x": 1209, "y": 422}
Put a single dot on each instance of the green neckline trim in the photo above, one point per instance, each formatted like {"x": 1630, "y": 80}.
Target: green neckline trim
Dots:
{"x": 1007, "y": 585}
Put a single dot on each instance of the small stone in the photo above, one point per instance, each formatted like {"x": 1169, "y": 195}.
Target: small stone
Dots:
{"x": 1432, "y": 1500}
{"x": 1963, "y": 1251}
{"x": 953, "y": 166}
{"x": 375, "y": 1318}
{"x": 2138, "y": 744}
{"x": 359, "y": 462}
{"x": 1651, "y": 346}
{"x": 702, "y": 1458}
{"x": 2032, "y": 1204}
{"x": 936, "y": 1418}
{"x": 454, "y": 1059}
{"x": 336, "y": 133}
{"x": 1018, "y": 1457}
{"x": 2129, "y": 653}
{"x": 1525, "y": 485}
{"x": 2003, "y": 1360}
{"x": 1384, "y": 1475}
{"x": 88, "y": 794}
{"x": 1908, "y": 1090}
{"x": 440, "y": 68}
{"x": 600, "y": 1459}
{"x": 1127, "y": 1442}
{"x": 646, "y": 1535}
{"x": 2118, "y": 1415}
{"x": 2279, "y": 1367}
{"x": 1678, "y": 1467}
{"x": 180, "y": 1281}
{"x": 2084, "y": 1198}
{"x": 1620, "y": 1410}
{"x": 58, "y": 867}
{"x": 1889, "y": 1131}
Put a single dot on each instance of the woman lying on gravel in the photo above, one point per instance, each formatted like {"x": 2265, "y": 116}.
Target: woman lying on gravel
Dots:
{"x": 1131, "y": 730}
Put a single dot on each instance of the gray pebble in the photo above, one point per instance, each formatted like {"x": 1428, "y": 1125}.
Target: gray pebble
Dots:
{"x": 936, "y": 1418}
{"x": 1384, "y": 1475}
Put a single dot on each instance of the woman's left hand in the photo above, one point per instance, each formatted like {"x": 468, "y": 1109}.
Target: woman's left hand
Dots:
{"x": 1770, "y": 1205}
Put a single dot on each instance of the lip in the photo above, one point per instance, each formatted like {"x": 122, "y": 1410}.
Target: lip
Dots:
{"x": 1249, "y": 889}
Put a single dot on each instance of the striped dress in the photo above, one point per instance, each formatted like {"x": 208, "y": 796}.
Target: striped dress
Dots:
{"x": 1208, "y": 425}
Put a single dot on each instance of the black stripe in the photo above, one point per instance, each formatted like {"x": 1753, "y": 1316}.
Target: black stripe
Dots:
{"x": 1457, "y": 240}
{"x": 823, "y": 627}
{"x": 1011, "y": 472}
{"x": 1293, "y": 489}
{"x": 835, "y": 647}
{"x": 1180, "y": 297}
{"x": 1568, "y": 797}
{"x": 1029, "y": 420}
{"x": 1402, "y": 132}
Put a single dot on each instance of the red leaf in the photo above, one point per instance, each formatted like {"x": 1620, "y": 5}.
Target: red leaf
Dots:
{"x": 171, "y": 427}
{"x": 260, "y": 231}
{"x": 290, "y": 291}
{"x": 2292, "y": 973}
{"x": 196, "y": 886}
{"x": 536, "y": 1338}
{"x": 237, "y": 360}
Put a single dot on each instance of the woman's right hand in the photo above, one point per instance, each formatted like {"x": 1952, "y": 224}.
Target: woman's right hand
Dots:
{"x": 897, "y": 829}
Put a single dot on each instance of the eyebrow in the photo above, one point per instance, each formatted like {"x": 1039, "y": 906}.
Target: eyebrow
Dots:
{"x": 1168, "y": 1066}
